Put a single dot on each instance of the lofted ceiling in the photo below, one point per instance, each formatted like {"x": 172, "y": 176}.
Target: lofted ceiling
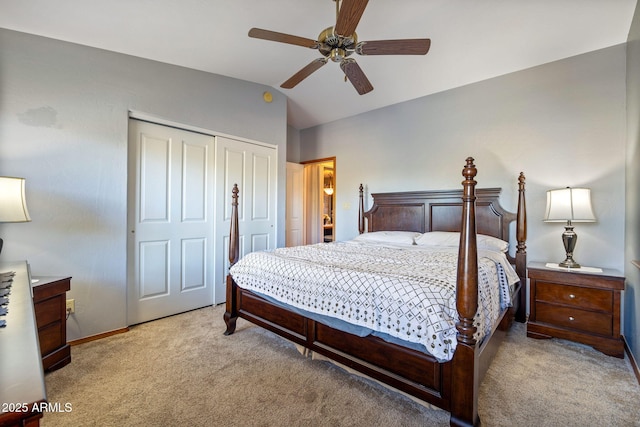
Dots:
{"x": 471, "y": 41}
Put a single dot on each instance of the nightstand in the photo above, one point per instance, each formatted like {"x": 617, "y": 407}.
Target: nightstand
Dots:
{"x": 50, "y": 301}
{"x": 576, "y": 305}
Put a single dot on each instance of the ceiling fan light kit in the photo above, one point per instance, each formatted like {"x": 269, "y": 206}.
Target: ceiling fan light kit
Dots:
{"x": 337, "y": 43}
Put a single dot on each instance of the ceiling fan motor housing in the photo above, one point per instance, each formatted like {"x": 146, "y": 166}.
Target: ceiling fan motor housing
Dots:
{"x": 334, "y": 46}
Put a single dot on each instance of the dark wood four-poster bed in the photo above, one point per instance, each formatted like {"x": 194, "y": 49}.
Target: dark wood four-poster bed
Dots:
{"x": 448, "y": 384}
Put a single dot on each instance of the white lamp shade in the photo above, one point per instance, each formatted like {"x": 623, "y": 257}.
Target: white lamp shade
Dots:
{"x": 13, "y": 204}
{"x": 569, "y": 204}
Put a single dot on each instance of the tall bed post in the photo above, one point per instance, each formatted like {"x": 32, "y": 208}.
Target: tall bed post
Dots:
{"x": 521, "y": 250}
{"x": 361, "y": 210}
{"x": 465, "y": 371}
{"x": 231, "y": 314}
{"x": 234, "y": 234}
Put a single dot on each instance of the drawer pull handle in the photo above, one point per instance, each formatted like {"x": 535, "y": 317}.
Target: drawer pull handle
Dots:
{"x": 572, "y": 318}
{"x": 572, "y": 296}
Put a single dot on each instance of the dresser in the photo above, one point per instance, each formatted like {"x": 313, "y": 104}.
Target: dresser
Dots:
{"x": 50, "y": 300}
{"x": 22, "y": 388}
{"x": 576, "y": 305}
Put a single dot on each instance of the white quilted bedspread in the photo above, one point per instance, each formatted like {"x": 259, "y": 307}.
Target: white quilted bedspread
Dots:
{"x": 407, "y": 292}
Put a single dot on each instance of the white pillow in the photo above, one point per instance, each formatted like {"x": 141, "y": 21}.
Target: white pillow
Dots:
{"x": 438, "y": 238}
{"x": 447, "y": 238}
{"x": 402, "y": 237}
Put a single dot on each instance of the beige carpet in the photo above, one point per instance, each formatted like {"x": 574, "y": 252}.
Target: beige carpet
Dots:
{"x": 182, "y": 371}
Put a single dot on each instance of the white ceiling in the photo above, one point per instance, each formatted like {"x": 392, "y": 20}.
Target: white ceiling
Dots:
{"x": 471, "y": 40}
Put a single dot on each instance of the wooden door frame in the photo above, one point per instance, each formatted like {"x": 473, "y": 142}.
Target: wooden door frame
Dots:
{"x": 325, "y": 160}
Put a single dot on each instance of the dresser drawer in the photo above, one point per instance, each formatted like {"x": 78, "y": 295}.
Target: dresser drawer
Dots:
{"x": 50, "y": 300}
{"x": 588, "y": 298}
{"x": 49, "y": 311}
{"x": 50, "y": 338}
{"x": 575, "y": 319}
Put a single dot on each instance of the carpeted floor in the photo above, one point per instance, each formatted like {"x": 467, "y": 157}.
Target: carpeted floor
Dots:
{"x": 182, "y": 371}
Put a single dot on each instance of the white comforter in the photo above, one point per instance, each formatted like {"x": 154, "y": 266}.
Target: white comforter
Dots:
{"x": 406, "y": 292}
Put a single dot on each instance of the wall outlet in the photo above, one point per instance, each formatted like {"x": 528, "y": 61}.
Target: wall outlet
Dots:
{"x": 71, "y": 306}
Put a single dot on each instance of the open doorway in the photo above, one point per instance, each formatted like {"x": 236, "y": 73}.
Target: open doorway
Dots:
{"x": 328, "y": 194}
{"x": 319, "y": 200}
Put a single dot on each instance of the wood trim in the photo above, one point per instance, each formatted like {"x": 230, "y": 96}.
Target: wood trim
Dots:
{"x": 320, "y": 162}
{"x": 98, "y": 336}
{"x": 632, "y": 360}
{"x": 323, "y": 160}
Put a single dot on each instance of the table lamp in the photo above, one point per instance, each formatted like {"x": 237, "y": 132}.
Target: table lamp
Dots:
{"x": 570, "y": 205}
{"x": 13, "y": 204}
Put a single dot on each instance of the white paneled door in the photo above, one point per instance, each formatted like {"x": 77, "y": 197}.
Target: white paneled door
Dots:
{"x": 294, "y": 215}
{"x": 253, "y": 168}
{"x": 171, "y": 197}
{"x": 179, "y": 214}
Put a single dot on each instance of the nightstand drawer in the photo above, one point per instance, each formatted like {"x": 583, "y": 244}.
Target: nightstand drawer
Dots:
{"x": 587, "y": 298}
{"x": 581, "y": 306}
{"x": 572, "y": 318}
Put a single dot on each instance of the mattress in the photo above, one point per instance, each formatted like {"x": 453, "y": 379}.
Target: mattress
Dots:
{"x": 403, "y": 293}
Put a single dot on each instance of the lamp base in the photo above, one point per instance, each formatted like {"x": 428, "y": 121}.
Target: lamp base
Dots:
{"x": 569, "y": 263}
{"x": 569, "y": 238}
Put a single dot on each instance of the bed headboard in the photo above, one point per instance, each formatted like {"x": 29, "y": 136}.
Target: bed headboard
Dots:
{"x": 439, "y": 210}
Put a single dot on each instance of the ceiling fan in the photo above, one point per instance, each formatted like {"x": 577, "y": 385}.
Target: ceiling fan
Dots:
{"x": 339, "y": 42}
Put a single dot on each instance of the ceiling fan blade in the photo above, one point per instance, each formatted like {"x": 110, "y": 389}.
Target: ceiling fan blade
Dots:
{"x": 356, "y": 76}
{"x": 258, "y": 33}
{"x": 350, "y": 13}
{"x": 304, "y": 73}
{"x": 394, "y": 47}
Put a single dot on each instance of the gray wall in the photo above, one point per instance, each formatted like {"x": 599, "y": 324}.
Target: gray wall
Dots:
{"x": 293, "y": 144}
{"x": 63, "y": 126}
{"x": 632, "y": 230}
{"x": 562, "y": 124}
